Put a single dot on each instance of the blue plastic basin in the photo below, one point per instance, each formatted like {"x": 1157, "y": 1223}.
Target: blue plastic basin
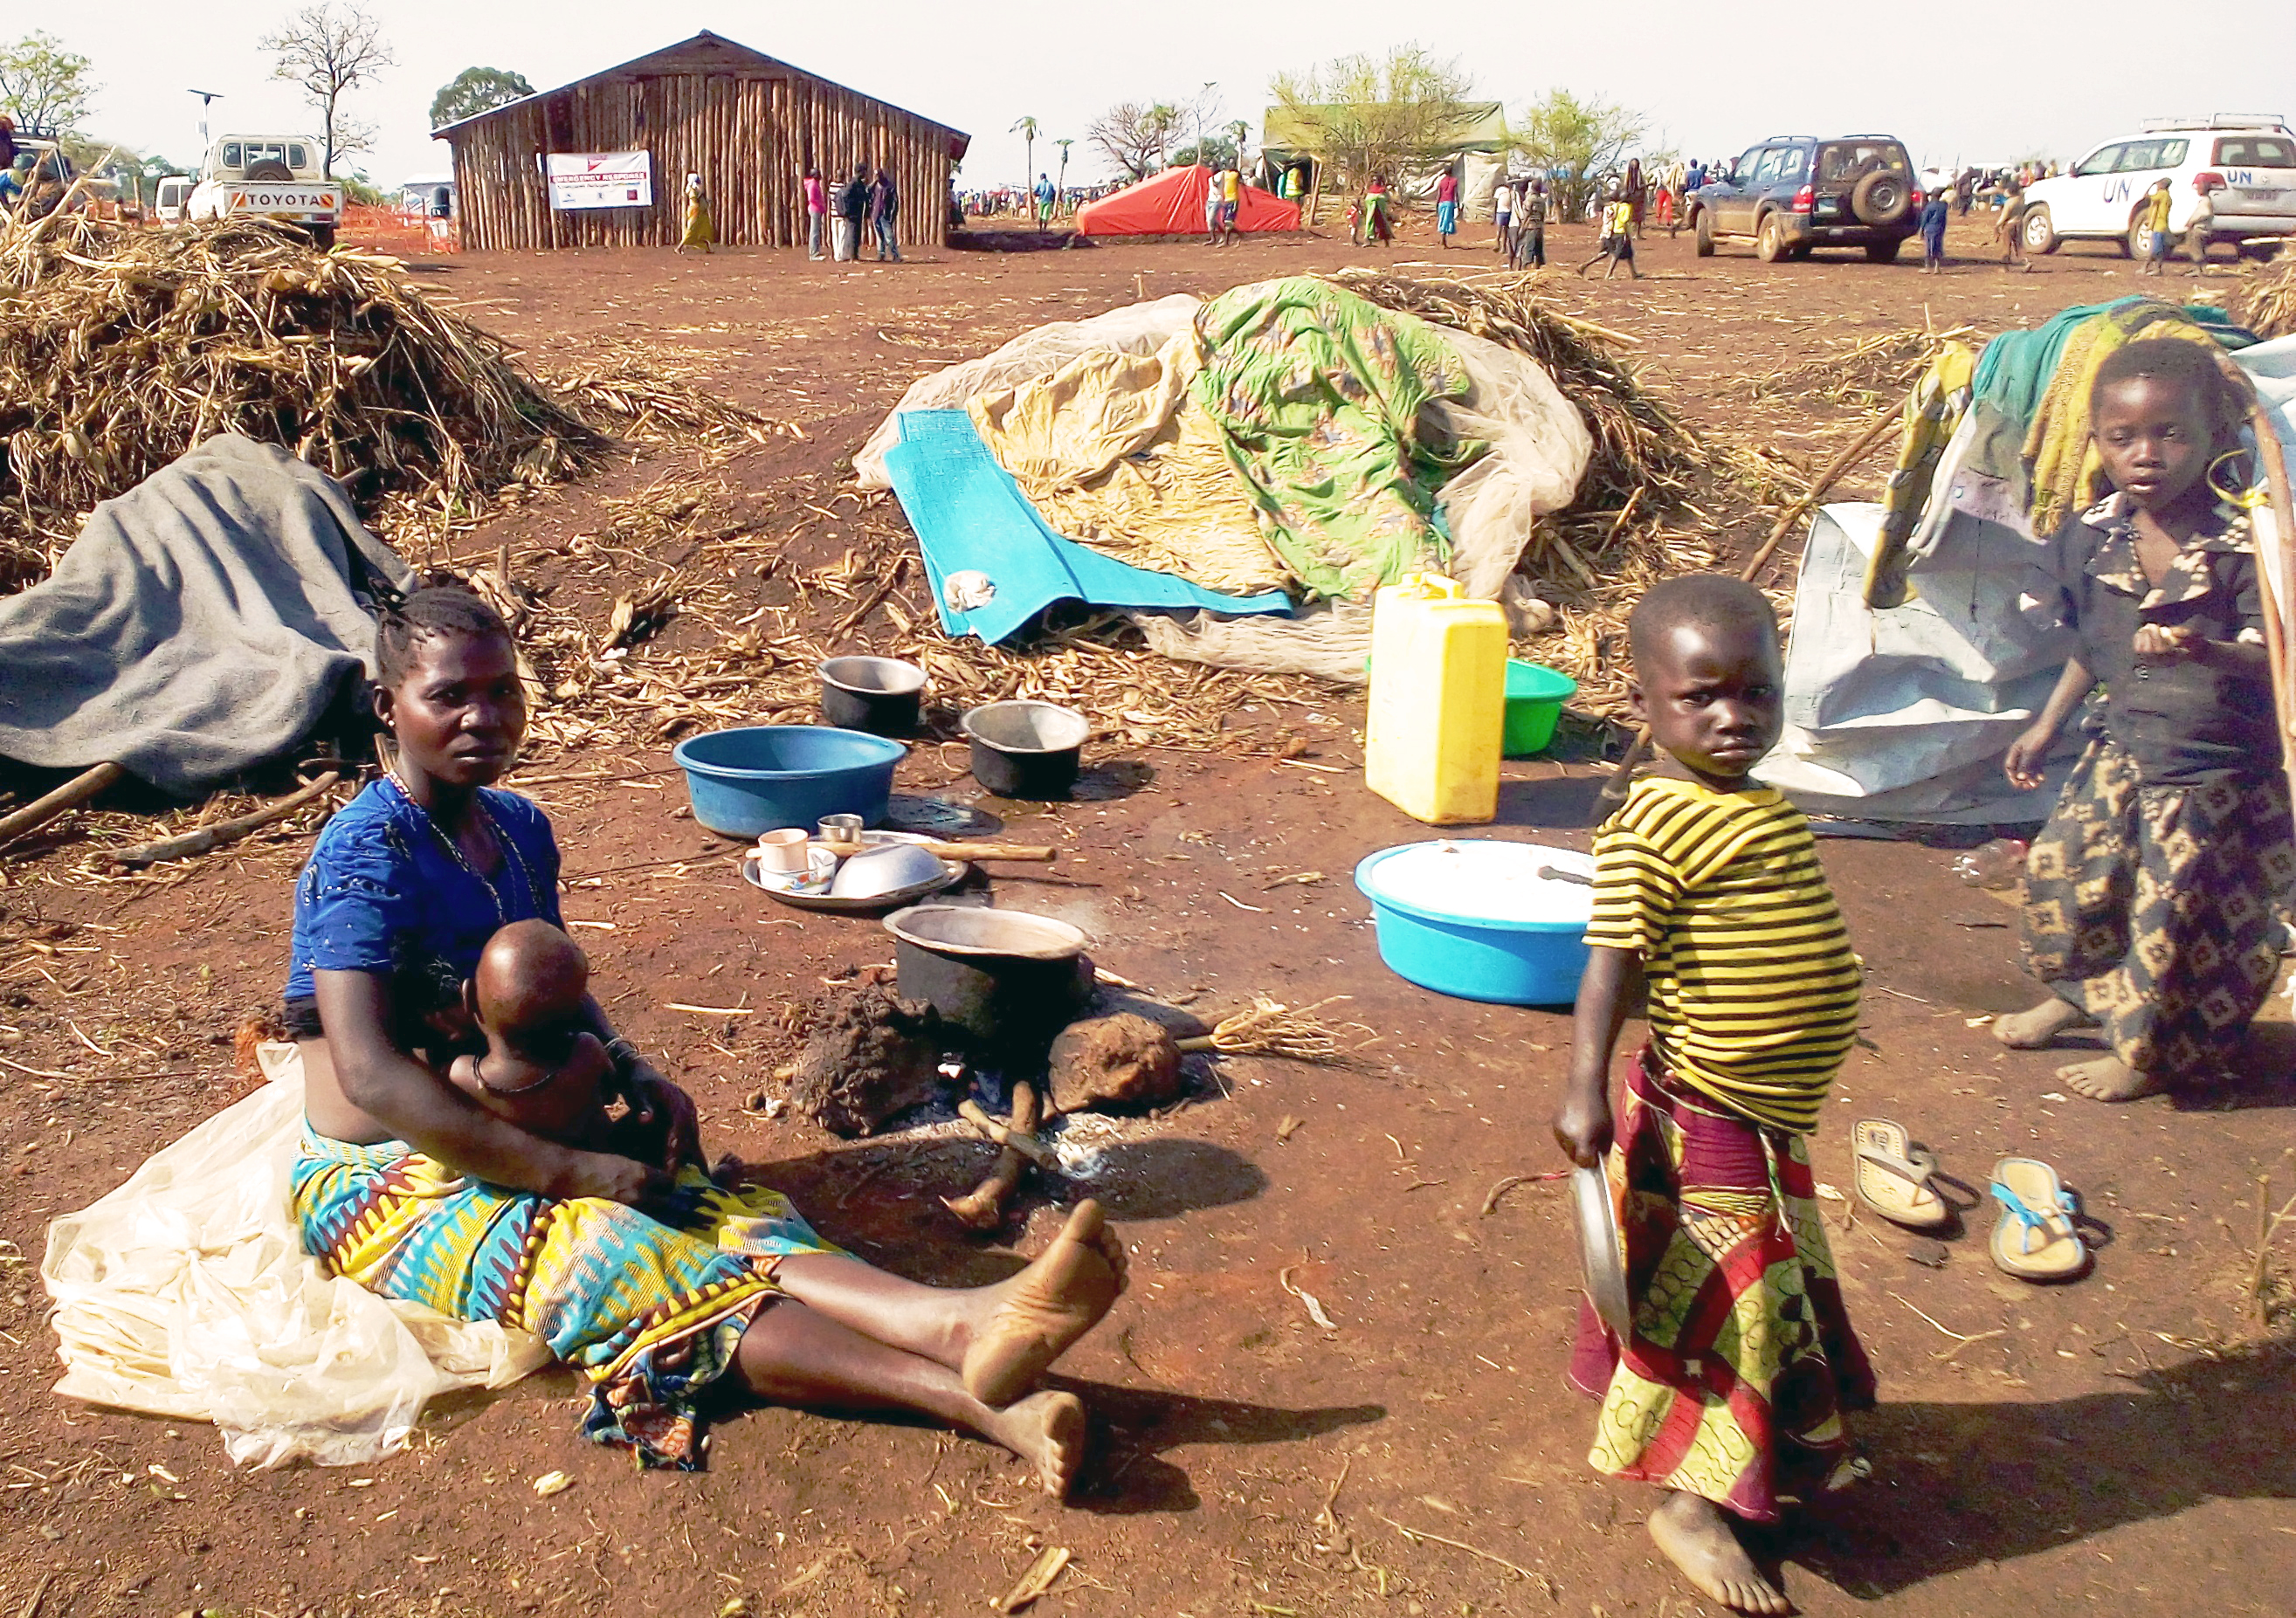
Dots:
{"x": 1509, "y": 960}
{"x": 749, "y": 782}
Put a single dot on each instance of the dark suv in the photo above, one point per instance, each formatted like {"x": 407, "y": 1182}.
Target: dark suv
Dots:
{"x": 1794, "y": 192}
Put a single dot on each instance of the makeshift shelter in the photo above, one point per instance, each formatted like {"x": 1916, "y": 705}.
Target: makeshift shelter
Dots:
{"x": 1326, "y": 134}
{"x": 1172, "y": 204}
{"x": 747, "y": 124}
{"x": 1926, "y": 629}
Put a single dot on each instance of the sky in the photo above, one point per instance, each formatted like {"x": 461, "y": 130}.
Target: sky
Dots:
{"x": 1957, "y": 80}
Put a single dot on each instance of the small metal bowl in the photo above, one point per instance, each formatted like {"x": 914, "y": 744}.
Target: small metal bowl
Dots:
{"x": 889, "y": 868}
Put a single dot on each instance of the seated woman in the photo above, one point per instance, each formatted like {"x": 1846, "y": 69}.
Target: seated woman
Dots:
{"x": 653, "y": 1279}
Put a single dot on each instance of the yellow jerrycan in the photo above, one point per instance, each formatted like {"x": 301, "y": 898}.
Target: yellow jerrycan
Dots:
{"x": 1438, "y": 700}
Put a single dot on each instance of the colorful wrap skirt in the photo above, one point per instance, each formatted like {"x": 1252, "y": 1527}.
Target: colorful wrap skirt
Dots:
{"x": 1741, "y": 1362}
{"x": 651, "y": 1313}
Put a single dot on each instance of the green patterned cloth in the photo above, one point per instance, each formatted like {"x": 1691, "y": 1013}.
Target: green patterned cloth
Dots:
{"x": 1317, "y": 393}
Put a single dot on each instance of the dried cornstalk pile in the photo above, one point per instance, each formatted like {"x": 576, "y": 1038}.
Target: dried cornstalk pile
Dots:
{"x": 2265, "y": 303}
{"x": 119, "y": 349}
{"x": 1862, "y": 372}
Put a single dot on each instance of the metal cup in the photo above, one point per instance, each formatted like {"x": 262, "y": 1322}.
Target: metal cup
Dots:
{"x": 841, "y": 829}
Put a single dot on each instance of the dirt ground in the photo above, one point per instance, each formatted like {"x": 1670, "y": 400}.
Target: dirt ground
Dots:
{"x": 2120, "y": 1444}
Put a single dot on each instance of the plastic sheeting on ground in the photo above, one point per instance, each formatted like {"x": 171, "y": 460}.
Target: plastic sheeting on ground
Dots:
{"x": 1903, "y": 713}
{"x": 992, "y": 562}
{"x": 186, "y": 1293}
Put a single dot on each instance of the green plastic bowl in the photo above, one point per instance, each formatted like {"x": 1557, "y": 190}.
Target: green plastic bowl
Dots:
{"x": 1535, "y": 696}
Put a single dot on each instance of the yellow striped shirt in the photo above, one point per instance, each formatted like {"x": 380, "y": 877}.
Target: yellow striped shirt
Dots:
{"x": 1753, "y": 989}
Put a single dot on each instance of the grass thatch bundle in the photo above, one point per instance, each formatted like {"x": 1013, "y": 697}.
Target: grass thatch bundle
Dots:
{"x": 119, "y": 349}
{"x": 2265, "y": 303}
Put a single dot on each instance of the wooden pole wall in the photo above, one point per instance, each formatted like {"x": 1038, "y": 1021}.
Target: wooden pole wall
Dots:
{"x": 749, "y": 137}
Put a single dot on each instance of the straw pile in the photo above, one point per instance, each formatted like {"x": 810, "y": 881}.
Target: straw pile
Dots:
{"x": 1860, "y": 374}
{"x": 121, "y": 349}
{"x": 2265, "y": 303}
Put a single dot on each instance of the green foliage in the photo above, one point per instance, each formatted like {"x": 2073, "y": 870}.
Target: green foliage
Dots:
{"x": 358, "y": 188}
{"x": 1217, "y": 152}
{"x": 1368, "y": 115}
{"x": 476, "y": 90}
{"x": 1576, "y": 143}
{"x": 43, "y": 85}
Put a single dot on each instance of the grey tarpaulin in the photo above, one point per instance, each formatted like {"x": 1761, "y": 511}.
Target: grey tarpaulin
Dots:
{"x": 200, "y": 623}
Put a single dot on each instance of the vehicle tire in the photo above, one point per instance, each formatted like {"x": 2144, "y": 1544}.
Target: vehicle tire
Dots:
{"x": 1770, "y": 239}
{"x": 1799, "y": 255}
{"x": 1881, "y": 198}
{"x": 2040, "y": 234}
{"x": 2132, "y": 242}
{"x": 323, "y": 238}
{"x": 1702, "y": 226}
{"x": 1885, "y": 252}
{"x": 270, "y": 170}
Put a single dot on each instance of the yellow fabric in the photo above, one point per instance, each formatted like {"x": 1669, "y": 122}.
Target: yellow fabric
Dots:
{"x": 1115, "y": 455}
{"x": 700, "y": 231}
{"x": 1620, "y": 218}
{"x": 2156, "y": 211}
{"x": 1932, "y": 413}
{"x": 1753, "y": 990}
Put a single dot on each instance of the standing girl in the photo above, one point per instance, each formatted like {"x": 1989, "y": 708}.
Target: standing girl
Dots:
{"x": 2149, "y": 894}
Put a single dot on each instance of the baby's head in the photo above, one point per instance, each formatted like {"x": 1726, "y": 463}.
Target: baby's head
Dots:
{"x": 529, "y": 990}
{"x": 1708, "y": 673}
{"x": 2161, "y": 412}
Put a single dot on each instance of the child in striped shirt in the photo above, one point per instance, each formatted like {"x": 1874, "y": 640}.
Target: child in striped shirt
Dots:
{"x": 1730, "y": 1388}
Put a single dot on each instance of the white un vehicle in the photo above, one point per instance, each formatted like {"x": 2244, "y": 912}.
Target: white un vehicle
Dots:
{"x": 2244, "y": 164}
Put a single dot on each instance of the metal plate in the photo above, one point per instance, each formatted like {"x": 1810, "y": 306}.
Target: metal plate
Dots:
{"x": 1599, "y": 1254}
{"x": 952, "y": 871}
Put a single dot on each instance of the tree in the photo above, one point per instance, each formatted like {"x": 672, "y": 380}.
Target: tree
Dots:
{"x": 1061, "y": 186}
{"x": 1575, "y": 143}
{"x": 330, "y": 52}
{"x": 1026, "y": 130}
{"x": 1214, "y": 151}
{"x": 476, "y": 90}
{"x": 1164, "y": 118}
{"x": 1128, "y": 136}
{"x": 1366, "y": 117}
{"x": 1236, "y": 132}
{"x": 43, "y": 85}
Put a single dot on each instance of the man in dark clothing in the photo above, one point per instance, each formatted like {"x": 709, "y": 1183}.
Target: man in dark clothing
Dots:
{"x": 884, "y": 207}
{"x": 852, "y": 208}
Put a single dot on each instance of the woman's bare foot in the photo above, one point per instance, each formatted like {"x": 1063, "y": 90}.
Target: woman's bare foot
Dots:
{"x": 1696, "y": 1538}
{"x": 1034, "y": 1317}
{"x": 2110, "y": 1079}
{"x": 1047, "y": 1431}
{"x": 2038, "y": 1028}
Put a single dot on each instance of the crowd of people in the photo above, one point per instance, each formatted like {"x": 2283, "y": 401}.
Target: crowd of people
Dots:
{"x": 860, "y": 205}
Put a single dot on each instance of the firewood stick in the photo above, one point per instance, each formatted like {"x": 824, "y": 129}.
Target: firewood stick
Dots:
{"x": 223, "y": 832}
{"x": 2277, "y": 635}
{"x": 71, "y": 794}
{"x": 983, "y": 1207}
{"x": 1022, "y": 1141}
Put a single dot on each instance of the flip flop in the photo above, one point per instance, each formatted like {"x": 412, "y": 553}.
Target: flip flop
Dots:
{"x": 2035, "y": 1240}
{"x": 1892, "y": 1176}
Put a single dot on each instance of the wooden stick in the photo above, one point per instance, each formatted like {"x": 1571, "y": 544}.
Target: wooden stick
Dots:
{"x": 983, "y": 1207}
{"x": 2279, "y": 641}
{"x": 71, "y": 794}
{"x": 1614, "y": 790}
{"x": 208, "y": 838}
{"x": 1034, "y": 1150}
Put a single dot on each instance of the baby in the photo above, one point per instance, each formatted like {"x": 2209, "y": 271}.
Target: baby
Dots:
{"x": 544, "y": 1069}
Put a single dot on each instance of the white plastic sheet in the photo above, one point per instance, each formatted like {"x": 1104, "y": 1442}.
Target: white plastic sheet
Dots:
{"x": 186, "y": 1293}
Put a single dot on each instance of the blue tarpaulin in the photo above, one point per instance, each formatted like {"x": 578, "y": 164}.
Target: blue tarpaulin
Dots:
{"x": 971, "y": 517}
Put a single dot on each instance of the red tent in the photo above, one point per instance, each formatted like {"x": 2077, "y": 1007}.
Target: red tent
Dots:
{"x": 1172, "y": 204}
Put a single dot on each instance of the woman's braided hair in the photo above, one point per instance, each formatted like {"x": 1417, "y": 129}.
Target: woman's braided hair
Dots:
{"x": 430, "y": 612}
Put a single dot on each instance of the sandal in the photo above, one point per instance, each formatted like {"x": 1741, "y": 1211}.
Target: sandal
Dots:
{"x": 1892, "y": 1176}
{"x": 2037, "y": 1208}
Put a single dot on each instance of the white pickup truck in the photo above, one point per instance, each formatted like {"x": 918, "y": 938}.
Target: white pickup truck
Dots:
{"x": 275, "y": 175}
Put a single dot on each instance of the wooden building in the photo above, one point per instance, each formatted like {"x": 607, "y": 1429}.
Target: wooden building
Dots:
{"x": 747, "y": 124}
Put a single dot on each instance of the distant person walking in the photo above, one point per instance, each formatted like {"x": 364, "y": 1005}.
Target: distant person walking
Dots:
{"x": 1212, "y": 201}
{"x": 2009, "y": 229}
{"x": 1446, "y": 210}
{"x": 884, "y": 214}
{"x": 701, "y": 231}
{"x": 1375, "y": 226}
{"x": 2196, "y": 233}
{"x": 852, "y": 208}
{"x": 1503, "y": 220}
{"x": 1618, "y": 240}
{"x": 1230, "y": 180}
{"x": 2153, "y": 216}
{"x": 816, "y": 214}
{"x": 1046, "y": 197}
{"x": 1934, "y": 210}
{"x": 1637, "y": 193}
{"x": 1530, "y": 226}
